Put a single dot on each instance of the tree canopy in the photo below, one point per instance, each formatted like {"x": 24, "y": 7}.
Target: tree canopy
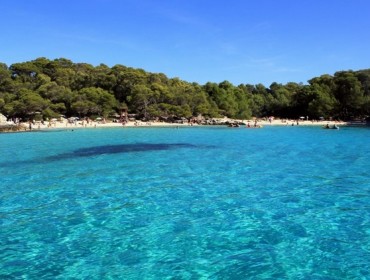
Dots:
{"x": 51, "y": 88}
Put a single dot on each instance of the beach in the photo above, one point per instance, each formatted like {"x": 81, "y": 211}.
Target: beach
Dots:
{"x": 64, "y": 124}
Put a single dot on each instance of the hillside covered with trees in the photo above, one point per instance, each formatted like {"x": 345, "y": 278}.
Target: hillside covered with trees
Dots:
{"x": 50, "y": 88}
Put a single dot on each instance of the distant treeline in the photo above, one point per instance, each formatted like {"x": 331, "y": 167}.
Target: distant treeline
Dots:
{"x": 44, "y": 88}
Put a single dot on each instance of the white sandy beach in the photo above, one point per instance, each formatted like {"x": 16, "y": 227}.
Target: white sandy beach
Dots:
{"x": 64, "y": 124}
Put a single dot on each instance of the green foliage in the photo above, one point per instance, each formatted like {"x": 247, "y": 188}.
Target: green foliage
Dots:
{"x": 349, "y": 94}
{"x": 322, "y": 105}
{"x": 84, "y": 108}
{"x": 50, "y": 88}
{"x": 48, "y": 113}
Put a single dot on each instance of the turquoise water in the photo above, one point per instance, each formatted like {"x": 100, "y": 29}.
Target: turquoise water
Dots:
{"x": 188, "y": 203}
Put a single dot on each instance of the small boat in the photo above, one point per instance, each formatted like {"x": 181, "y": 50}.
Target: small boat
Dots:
{"x": 233, "y": 125}
{"x": 254, "y": 126}
{"x": 330, "y": 127}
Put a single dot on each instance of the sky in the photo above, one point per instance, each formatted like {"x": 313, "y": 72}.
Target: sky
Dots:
{"x": 241, "y": 41}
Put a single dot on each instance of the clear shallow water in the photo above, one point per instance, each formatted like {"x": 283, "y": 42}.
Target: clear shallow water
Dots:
{"x": 188, "y": 203}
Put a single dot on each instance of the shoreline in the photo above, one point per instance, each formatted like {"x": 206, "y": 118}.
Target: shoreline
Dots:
{"x": 24, "y": 127}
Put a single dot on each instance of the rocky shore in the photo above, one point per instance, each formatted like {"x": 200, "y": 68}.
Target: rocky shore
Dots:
{"x": 12, "y": 127}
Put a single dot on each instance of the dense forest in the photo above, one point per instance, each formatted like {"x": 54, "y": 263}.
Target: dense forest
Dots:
{"x": 44, "y": 88}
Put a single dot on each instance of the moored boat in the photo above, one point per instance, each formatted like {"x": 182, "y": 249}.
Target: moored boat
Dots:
{"x": 330, "y": 127}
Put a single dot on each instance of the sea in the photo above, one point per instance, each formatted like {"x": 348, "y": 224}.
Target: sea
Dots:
{"x": 203, "y": 202}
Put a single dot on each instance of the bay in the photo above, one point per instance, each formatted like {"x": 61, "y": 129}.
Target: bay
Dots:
{"x": 187, "y": 203}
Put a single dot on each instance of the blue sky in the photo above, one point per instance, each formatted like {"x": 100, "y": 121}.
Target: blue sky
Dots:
{"x": 242, "y": 41}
